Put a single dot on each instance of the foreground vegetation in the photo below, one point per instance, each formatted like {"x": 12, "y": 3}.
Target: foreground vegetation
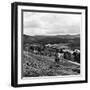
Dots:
{"x": 38, "y": 65}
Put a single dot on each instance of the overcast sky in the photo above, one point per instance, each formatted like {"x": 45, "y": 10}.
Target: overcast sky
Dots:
{"x": 36, "y": 23}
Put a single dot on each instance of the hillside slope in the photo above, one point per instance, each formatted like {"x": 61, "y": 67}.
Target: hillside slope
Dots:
{"x": 36, "y": 65}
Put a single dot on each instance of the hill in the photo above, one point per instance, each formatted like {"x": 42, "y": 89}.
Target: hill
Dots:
{"x": 72, "y": 41}
{"x": 36, "y": 65}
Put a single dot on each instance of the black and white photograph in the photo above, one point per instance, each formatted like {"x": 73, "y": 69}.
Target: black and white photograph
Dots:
{"x": 50, "y": 44}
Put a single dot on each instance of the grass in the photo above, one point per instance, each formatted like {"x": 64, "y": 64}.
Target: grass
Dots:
{"x": 37, "y": 65}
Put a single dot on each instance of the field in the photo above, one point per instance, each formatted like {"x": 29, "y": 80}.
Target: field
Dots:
{"x": 38, "y": 65}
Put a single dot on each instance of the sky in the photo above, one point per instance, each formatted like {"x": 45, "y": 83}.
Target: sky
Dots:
{"x": 36, "y": 23}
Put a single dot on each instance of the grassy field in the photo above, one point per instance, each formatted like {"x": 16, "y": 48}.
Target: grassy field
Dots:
{"x": 38, "y": 65}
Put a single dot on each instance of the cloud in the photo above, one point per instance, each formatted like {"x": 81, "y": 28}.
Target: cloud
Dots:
{"x": 51, "y": 24}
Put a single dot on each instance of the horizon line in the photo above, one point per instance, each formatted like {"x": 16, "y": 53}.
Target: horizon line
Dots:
{"x": 53, "y": 34}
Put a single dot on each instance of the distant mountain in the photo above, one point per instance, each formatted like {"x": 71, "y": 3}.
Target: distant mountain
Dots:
{"x": 69, "y": 36}
{"x": 51, "y": 39}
